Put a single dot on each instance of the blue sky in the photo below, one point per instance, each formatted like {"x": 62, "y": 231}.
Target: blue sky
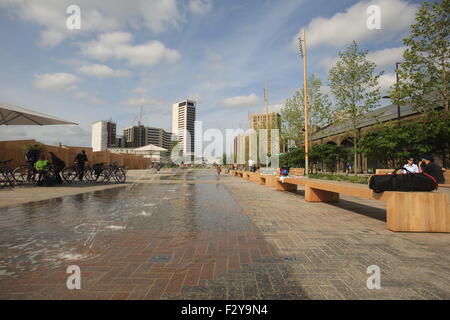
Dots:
{"x": 157, "y": 52}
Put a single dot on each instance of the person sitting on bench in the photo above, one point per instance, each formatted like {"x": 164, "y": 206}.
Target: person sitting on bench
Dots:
{"x": 428, "y": 166}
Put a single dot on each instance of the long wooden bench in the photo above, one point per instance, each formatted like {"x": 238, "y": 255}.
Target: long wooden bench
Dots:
{"x": 406, "y": 211}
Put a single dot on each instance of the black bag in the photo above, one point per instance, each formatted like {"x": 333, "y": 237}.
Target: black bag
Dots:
{"x": 402, "y": 182}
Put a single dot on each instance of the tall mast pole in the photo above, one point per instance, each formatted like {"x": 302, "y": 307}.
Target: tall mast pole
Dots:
{"x": 305, "y": 95}
{"x": 266, "y": 95}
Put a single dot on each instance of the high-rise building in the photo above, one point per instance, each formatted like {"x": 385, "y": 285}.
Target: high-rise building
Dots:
{"x": 270, "y": 121}
{"x": 183, "y": 119}
{"x": 135, "y": 136}
{"x": 103, "y": 135}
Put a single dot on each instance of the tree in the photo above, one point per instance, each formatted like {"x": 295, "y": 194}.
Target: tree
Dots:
{"x": 354, "y": 85}
{"x": 292, "y": 120}
{"x": 392, "y": 145}
{"x": 328, "y": 155}
{"x": 295, "y": 158}
{"x": 424, "y": 74}
{"x": 292, "y": 114}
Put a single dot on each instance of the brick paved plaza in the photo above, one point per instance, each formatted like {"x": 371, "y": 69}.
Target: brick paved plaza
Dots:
{"x": 192, "y": 235}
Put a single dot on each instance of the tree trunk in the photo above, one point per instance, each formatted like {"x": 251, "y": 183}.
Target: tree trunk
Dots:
{"x": 355, "y": 145}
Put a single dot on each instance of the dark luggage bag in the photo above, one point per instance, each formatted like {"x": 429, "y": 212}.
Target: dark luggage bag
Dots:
{"x": 402, "y": 182}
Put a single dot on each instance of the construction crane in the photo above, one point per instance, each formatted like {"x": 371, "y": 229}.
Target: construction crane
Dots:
{"x": 139, "y": 117}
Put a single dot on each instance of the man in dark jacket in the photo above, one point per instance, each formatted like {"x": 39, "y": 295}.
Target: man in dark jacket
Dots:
{"x": 428, "y": 166}
{"x": 59, "y": 166}
{"x": 80, "y": 161}
{"x": 32, "y": 156}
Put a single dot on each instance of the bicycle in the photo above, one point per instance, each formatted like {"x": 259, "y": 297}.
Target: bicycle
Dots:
{"x": 112, "y": 171}
{"x": 6, "y": 174}
{"x": 25, "y": 174}
{"x": 70, "y": 174}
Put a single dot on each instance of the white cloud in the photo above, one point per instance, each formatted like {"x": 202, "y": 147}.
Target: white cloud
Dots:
{"x": 88, "y": 98}
{"x": 241, "y": 101}
{"x": 103, "y": 71}
{"x": 96, "y": 15}
{"x": 343, "y": 27}
{"x": 386, "y": 57}
{"x": 143, "y": 101}
{"x": 55, "y": 81}
{"x": 117, "y": 45}
{"x": 200, "y": 6}
{"x": 386, "y": 81}
{"x": 140, "y": 91}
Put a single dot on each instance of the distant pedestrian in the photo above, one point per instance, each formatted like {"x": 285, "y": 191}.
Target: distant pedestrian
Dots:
{"x": 80, "y": 161}
{"x": 251, "y": 163}
{"x": 218, "y": 169}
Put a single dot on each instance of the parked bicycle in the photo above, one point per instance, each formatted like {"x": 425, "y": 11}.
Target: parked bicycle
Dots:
{"x": 102, "y": 173}
{"x": 6, "y": 174}
{"x": 25, "y": 174}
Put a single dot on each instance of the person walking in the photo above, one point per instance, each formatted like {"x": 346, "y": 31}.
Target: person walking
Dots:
{"x": 427, "y": 166}
{"x": 218, "y": 169}
{"x": 80, "y": 161}
{"x": 410, "y": 166}
{"x": 250, "y": 164}
{"x": 59, "y": 165}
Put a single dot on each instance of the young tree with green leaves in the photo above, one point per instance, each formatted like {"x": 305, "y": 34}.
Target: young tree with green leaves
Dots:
{"x": 292, "y": 114}
{"x": 424, "y": 73}
{"x": 354, "y": 85}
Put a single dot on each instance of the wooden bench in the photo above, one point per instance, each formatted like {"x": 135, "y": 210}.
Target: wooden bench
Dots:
{"x": 406, "y": 211}
{"x": 269, "y": 180}
{"x": 297, "y": 171}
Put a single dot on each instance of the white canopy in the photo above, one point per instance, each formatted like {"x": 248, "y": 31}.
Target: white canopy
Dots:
{"x": 17, "y": 116}
{"x": 152, "y": 148}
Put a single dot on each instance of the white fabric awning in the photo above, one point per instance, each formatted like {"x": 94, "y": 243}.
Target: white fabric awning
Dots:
{"x": 16, "y": 116}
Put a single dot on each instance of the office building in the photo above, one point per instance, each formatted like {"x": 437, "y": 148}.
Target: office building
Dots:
{"x": 103, "y": 135}
{"x": 135, "y": 136}
{"x": 183, "y": 119}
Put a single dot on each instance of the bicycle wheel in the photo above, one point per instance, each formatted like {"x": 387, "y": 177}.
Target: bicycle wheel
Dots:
{"x": 90, "y": 175}
{"x": 7, "y": 178}
{"x": 69, "y": 174}
{"x": 104, "y": 176}
{"x": 119, "y": 175}
{"x": 21, "y": 175}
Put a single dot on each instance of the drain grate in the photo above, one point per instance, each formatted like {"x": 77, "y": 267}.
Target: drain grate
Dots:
{"x": 160, "y": 258}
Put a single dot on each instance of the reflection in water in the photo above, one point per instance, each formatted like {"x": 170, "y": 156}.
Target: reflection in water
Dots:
{"x": 49, "y": 232}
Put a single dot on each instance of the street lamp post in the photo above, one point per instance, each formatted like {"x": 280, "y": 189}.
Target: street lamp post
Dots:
{"x": 302, "y": 50}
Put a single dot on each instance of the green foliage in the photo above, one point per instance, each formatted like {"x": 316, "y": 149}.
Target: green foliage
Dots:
{"x": 28, "y": 146}
{"x": 354, "y": 85}
{"x": 328, "y": 155}
{"x": 295, "y": 158}
{"x": 424, "y": 74}
{"x": 292, "y": 114}
{"x": 392, "y": 144}
{"x": 340, "y": 177}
